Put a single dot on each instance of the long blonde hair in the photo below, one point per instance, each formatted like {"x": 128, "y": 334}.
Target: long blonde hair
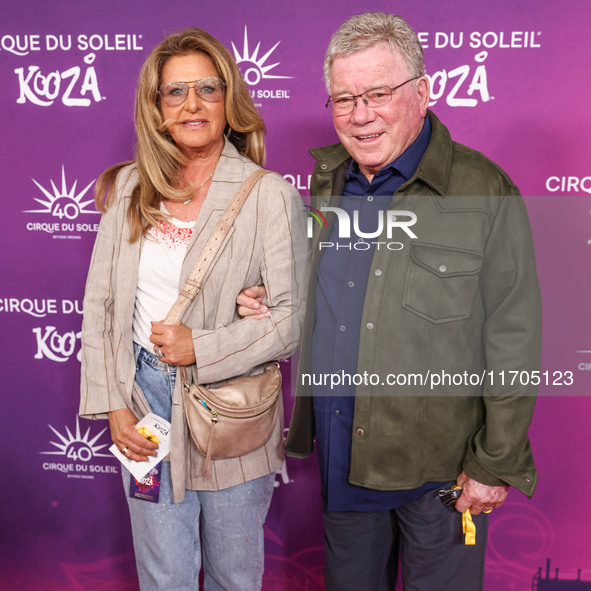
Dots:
{"x": 159, "y": 161}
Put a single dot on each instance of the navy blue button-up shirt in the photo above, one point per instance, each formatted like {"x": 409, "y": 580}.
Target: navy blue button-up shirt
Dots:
{"x": 340, "y": 293}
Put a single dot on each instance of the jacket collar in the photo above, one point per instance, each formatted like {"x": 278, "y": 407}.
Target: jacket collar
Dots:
{"x": 433, "y": 169}
{"x": 435, "y": 165}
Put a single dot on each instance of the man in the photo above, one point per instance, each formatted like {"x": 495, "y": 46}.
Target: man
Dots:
{"x": 441, "y": 303}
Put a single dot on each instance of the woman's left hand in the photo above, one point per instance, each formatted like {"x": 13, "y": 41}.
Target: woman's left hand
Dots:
{"x": 174, "y": 341}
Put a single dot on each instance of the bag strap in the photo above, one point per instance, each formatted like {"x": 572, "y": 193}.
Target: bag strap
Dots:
{"x": 194, "y": 282}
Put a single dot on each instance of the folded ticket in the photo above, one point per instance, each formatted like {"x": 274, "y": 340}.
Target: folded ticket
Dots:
{"x": 155, "y": 429}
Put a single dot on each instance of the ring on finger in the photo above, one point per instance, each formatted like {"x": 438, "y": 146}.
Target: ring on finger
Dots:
{"x": 158, "y": 352}
{"x": 125, "y": 450}
{"x": 487, "y": 509}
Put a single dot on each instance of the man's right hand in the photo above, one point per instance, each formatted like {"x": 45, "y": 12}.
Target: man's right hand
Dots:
{"x": 250, "y": 303}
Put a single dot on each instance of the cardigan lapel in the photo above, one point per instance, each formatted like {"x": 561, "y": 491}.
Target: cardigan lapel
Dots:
{"x": 127, "y": 278}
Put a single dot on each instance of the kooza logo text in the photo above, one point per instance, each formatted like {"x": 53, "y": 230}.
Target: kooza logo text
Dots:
{"x": 55, "y": 346}
{"x": 75, "y": 87}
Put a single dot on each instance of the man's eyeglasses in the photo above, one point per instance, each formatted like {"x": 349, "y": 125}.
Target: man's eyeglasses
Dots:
{"x": 375, "y": 97}
{"x": 209, "y": 89}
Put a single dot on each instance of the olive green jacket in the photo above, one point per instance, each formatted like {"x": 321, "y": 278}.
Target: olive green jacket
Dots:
{"x": 460, "y": 303}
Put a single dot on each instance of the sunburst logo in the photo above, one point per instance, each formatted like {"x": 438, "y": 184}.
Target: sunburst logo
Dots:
{"x": 77, "y": 446}
{"x": 253, "y": 67}
{"x": 65, "y": 202}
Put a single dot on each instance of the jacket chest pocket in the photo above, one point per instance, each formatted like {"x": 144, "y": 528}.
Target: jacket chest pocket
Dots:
{"x": 441, "y": 282}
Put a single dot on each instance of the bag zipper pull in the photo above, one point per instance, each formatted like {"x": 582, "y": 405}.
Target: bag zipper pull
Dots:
{"x": 214, "y": 414}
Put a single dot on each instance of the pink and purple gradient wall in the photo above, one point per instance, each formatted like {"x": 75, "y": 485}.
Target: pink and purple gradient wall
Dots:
{"x": 509, "y": 79}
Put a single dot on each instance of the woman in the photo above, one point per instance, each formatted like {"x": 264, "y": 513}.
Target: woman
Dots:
{"x": 199, "y": 137}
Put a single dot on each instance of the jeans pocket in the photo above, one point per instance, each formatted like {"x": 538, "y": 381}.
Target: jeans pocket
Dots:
{"x": 156, "y": 386}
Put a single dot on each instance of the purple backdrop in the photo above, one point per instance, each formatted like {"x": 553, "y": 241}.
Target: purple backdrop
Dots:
{"x": 510, "y": 79}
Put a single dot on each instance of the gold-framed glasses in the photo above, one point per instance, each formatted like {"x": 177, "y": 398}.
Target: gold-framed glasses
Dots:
{"x": 211, "y": 89}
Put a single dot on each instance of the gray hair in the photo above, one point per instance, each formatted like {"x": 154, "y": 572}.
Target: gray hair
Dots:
{"x": 366, "y": 30}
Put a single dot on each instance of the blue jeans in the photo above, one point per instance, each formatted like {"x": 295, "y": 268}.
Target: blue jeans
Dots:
{"x": 225, "y": 525}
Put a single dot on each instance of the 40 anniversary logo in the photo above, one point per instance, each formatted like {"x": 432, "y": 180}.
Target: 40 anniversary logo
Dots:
{"x": 255, "y": 70}
{"x": 74, "y": 451}
{"x": 65, "y": 205}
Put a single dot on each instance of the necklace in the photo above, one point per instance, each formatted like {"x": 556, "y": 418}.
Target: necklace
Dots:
{"x": 197, "y": 189}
